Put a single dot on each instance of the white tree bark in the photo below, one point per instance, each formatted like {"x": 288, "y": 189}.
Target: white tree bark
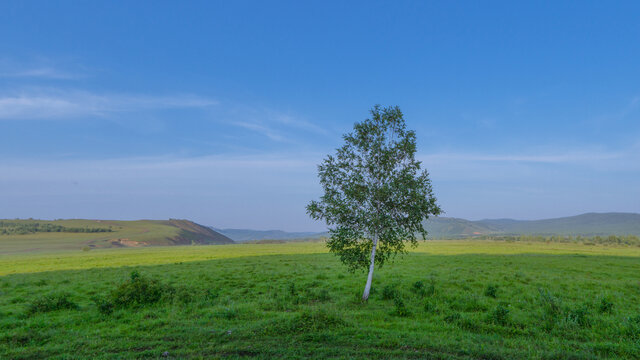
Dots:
{"x": 367, "y": 287}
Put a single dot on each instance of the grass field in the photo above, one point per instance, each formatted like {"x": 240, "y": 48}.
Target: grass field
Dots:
{"x": 445, "y": 300}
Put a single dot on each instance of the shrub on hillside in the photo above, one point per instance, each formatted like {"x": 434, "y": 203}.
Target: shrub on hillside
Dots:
{"x": 137, "y": 291}
{"x": 389, "y": 292}
{"x": 308, "y": 321}
{"x": 578, "y": 317}
{"x": 431, "y": 307}
{"x": 491, "y": 291}
{"x": 606, "y": 305}
{"x": 551, "y": 308}
{"x": 51, "y": 302}
{"x": 400, "y": 307}
{"x": 500, "y": 315}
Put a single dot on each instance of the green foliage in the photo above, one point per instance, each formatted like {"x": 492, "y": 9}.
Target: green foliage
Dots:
{"x": 400, "y": 307}
{"x": 500, "y": 315}
{"x": 292, "y": 289}
{"x": 431, "y": 307}
{"x": 491, "y": 291}
{"x": 578, "y": 317}
{"x": 307, "y": 321}
{"x": 632, "y": 327}
{"x": 551, "y": 308}
{"x": 453, "y": 317}
{"x": 103, "y": 305}
{"x": 419, "y": 288}
{"x": 619, "y": 240}
{"x": 17, "y": 228}
{"x": 374, "y": 191}
{"x": 605, "y": 306}
{"x": 389, "y": 292}
{"x": 51, "y": 302}
{"x": 138, "y": 291}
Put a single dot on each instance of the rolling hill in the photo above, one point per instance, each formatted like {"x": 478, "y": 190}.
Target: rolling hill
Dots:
{"x": 44, "y": 235}
{"x": 243, "y": 235}
{"x": 590, "y": 224}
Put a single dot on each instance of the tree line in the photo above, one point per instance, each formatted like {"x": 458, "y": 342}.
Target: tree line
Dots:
{"x": 633, "y": 240}
{"x": 10, "y": 228}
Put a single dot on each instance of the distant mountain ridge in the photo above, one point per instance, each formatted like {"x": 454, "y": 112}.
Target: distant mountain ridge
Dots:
{"x": 589, "y": 224}
{"x": 242, "y": 235}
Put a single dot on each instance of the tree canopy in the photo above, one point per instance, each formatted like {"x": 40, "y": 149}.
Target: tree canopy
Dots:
{"x": 376, "y": 196}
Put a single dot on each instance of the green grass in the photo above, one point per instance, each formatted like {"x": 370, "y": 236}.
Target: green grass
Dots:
{"x": 445, "y": 300}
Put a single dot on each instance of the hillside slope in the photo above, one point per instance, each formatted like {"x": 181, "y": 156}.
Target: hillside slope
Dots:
{"x": 585, "y": 224}
{"x": 44, "y": 235}
{"x": 242, "y": 235}
{"x": 444, "y": 227}
{"x": 589, "y": 224}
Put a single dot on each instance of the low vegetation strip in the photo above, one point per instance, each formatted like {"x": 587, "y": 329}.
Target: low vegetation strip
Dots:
{"x": 14, "y": 228}
{"x": 448, "y": 300}
{"x": 101, "y": 258}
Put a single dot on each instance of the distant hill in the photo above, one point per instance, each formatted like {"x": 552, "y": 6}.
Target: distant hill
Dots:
{"x": 442, "y": 227}
{"x": 44, "y": 235}
{"x": 589, "y": 224}
{"x": 192, "y": 233}
{"x": 243, "y": 235}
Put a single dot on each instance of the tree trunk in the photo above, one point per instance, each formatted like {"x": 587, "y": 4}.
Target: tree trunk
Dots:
{"x": 367, "y": 287}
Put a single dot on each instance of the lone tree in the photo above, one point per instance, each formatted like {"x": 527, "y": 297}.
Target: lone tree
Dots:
{"x": 376, "y": 197}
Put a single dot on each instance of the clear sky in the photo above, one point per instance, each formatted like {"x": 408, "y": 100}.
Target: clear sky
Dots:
{"x": 219, "y": 112}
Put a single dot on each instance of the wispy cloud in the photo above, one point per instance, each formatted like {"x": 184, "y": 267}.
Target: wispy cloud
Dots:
{"x": 39, "y": 72}
{"x": 53, "y": 104}
{"x": 550, "y": 158}
{"x": 532, "y": 165}
{"x": 299, "y": 123}
{"x": 262, "y": 129}
{"x": 156, "y": 167}
{"x": 275, "y": 125}
{"x": 40, "y": 68}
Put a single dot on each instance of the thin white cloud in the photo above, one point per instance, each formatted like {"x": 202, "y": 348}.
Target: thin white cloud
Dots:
{"x": 54, "y": 104}
{"x": 514, "y": 167}
{"x": 280, "y": 126}
{"x": 262, "y": 129}
{"x": 41, "y": 68}
{"x": 299, "y": 123}
{"x": 559, "y": 158}
{"x": 157, "y": 167}
{"x": 40, "y": 72}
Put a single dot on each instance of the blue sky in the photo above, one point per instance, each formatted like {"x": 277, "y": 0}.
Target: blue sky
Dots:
{"x": 219, "y": 112}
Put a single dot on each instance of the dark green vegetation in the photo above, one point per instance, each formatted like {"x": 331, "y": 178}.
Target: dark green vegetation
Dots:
{"x": 591, "y": 224}
{"x": 447, "y": 300}
{"x": 23, "y": 228}
{"x": 41, "y": 235}
{"x": 631, "y": 240}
